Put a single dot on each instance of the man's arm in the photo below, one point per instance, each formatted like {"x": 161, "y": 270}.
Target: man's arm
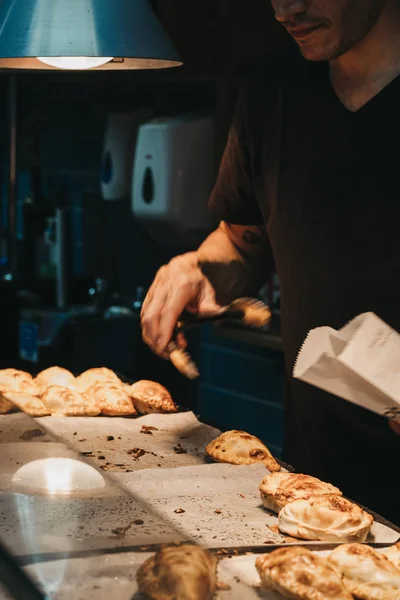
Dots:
{"x": 233, "y": 260}
{"x": 236, "y": 259}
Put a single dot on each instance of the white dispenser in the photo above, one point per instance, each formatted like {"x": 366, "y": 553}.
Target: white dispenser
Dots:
{"x": 119, "y": 148}
{"x": 173, "y": 175}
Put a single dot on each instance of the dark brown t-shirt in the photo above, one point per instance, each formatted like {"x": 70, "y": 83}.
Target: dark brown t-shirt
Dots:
{"x": 333, "y": 218}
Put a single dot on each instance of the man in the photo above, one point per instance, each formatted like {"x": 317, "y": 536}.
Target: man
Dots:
{"x": 311, "y": 170}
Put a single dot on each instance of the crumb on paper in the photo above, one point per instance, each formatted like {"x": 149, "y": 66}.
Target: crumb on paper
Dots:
{"x": 31, "y": 434}
{"x": 120, "y": 532}
{"x": 148, "y": 429}
{"x": 83, "y": 440}
{"x": 136, "y": 453}
{"x": 223, "y": 587}
{"x": 274, "y": 528}
{"x": 179, "y": 450}
{"x": 242, "y": 495}
{"x": 179, "y": 511}
{"x": 218, "y": 511}
{"x": 101, "y": 457}
{"x": 222, "y": 551}
{"x": 110, "y": 438}
{"x": 88, "y": 453}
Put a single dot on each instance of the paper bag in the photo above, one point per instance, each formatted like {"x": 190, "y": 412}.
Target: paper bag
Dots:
{"x": 360, "y": 363}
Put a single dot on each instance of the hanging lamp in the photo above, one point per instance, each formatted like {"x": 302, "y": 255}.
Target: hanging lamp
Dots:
{"x": 111, "y": 35}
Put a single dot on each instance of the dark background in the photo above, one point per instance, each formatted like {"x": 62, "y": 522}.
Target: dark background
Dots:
{"x": 61, "y": 124}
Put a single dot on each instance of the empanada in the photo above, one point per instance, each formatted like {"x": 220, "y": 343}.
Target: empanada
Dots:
{"x": 62, "y": 401}
{"x": 277, "y": 489}
{"x": 393, "y": 554}
{"x": 18, "y": 381}
{"x": 6, "y": 406}
{"x": 96, "y": 375}
{"x": 151, "y": 397}
{"x": 367, "y": 574}
{"x": 300, "y": 574}
{"x": 113, "y": 400}
{"x": 241, "y": 448}
{"x": 183, "y": 572}
{"x": 326, "y": 518}
{"x": 31, "y": 405}
{"x": 54, "y": 376}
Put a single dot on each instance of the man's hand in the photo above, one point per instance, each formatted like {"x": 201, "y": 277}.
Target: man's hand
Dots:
{"x": 179, "y": 285}
{"x": 395, "y": 425}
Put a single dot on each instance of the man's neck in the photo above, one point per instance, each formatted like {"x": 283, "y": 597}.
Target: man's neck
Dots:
{"x": 364, "y": 71}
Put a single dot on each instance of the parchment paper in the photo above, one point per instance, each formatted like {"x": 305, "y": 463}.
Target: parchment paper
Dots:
{"x": 178, "y": 440}
{"x": 221, "y": 504}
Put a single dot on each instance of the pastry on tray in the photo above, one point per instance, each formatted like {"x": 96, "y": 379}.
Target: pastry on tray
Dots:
{"x": 240, "y": 448}
{"x": 393, "y": 554}
{"x": 183, "y": 572}
{"x": 95, "y": 376}
{"x": 300, "y": 574}
{"x": 62, "y": 401}
{"x": 18, "y": 381}
{"x": 278, "y": 489}
{"x": 328, "y": 518}
{"x": 151, "y": 397}
{"x": 367, "y": 574}
{"x": 6, "y": 406}
{"x": 54, "y": 376}
{"x": 112, "y": 399}
{"x": 31, "y": 405}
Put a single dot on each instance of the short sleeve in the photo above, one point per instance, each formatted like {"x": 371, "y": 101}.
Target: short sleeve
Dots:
{"x": 233, "y": 198}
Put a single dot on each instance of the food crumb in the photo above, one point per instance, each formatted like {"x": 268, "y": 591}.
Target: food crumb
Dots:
{"x": 136, "y": 453}
{"x": 138, "y": 522}
{"x": 179, "y": 450}
{"x": 110, "y": 438}
{"x": 101, "y": 457}
{"x": 179, "y": 511}
{"x": 218, "y": 511}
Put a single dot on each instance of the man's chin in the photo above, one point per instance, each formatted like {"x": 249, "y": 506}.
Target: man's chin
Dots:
{"x": 314, "y": 54}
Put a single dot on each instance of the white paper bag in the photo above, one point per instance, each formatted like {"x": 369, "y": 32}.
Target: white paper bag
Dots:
{"x": 360, "y": 363}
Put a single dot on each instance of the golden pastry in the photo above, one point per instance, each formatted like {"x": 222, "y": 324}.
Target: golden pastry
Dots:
{"x": 113, "y": 400}
{"x": 31, "y": 405}
{"x": 326, "y": 518}
{"x": 18, "y": 381}
{"x": 300, "y": 574}
{"x": 367, "y": 574}
{"x": 6, "y": 406}
{"x": 95, "y": 376}
{"x": 393, "y": 554}
{"x": 54, "y": 376}
{"x": 277, "y": 489}
{"x": 240, "y": 448}
{"x": 62, "y": 401}
{"x": 151, "y": 397}
{"x": 183, "y": 572}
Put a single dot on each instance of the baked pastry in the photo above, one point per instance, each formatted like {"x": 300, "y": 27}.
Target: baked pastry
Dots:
{"x": 367, "y": 574}
{"x": 31, "y": 405}
{"x": 113, "y": 400}
{"x": 328, "y": 518}
{"x": 277, "y": 489}
{"x": 151, "y": 397}
{"x": 300, "y": 574}
{"x": 19, "y": 381}
{"x": 54, "y": 376}
{"x": 96, "y": 375}
{"x": 183, "y": 572}
{"x": 64, "y": 402}
{"x": 241, "y": 448}
{"x": 393, "y": 554}
{"x": 6, "y": 406}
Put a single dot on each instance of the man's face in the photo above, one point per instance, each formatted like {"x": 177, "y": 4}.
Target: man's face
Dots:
{"x": 327, "y": 29}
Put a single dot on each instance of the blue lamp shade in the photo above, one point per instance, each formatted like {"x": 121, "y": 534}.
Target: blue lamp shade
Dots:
{"x": 76, "y": 34}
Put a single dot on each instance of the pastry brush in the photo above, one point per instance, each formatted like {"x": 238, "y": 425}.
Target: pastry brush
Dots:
{"x": 244, "y": 311}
